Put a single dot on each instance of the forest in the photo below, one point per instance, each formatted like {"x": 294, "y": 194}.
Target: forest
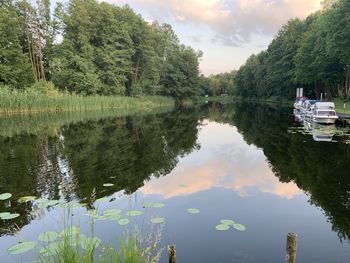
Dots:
{"x": 90, "y": 48}
{"x": 313, "y": 53}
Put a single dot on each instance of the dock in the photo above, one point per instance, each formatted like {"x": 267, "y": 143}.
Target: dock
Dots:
{"x": 343, "y": 119}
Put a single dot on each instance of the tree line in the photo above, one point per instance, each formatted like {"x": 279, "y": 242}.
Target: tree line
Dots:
{"x": 91, "y": 48}
{"x": 313, "y": 53}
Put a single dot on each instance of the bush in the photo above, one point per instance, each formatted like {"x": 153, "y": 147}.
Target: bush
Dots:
{"x": 46, "y": 88}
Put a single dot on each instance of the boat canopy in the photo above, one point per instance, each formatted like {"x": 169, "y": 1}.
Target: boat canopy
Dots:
{"x": 325, "y": 105}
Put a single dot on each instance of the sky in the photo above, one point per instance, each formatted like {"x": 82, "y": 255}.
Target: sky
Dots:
{"x": 227, "y": 31}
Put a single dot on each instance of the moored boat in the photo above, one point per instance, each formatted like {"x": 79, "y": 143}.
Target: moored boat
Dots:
{"x": 324, "y": 113}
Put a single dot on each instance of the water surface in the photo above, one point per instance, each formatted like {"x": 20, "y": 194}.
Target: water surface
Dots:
{"x": 247, "y": 162}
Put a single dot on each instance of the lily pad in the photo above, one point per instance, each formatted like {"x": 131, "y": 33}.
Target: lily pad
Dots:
{"x": 10, "y": 216}
{"x": 134, "y": 213}
{"x": 112, "y": 211}
{"x": 50, "y": 249}
{"x": 193, "y": 210}
{"x": 123, "y": 221}
{"x": 228, "y": 222}
{"x": 21, "y": 248}
{"x": 5, "y": 196}
{"x": 158, "y": 205}
{"x": 48, "y": 236}
{"x": 70, "y": 231}
{"x": 90, "y": 242}
{"x": 4, "y": 214}
{"x": 157, "y": 220}
{"x": 102, "y": 200}
{"x": 108, "y": 185}
{"x": 222, "y": 227}
{"x": 239, "y": 227}
{"x": 24, "y": 199}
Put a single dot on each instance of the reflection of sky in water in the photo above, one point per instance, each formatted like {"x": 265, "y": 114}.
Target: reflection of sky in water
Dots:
{"x": 224, "y": 160}
{"x": 225, "y": 179}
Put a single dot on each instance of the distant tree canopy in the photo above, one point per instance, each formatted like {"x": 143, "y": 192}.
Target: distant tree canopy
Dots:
{"x": 313, "y": 53}
{"x": 89, "y": 48}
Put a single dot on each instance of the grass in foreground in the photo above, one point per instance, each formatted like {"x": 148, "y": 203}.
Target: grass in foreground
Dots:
{"x": 34, "y": 101}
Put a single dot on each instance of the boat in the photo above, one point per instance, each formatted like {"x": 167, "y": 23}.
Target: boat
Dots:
{"x": 320, "y": 133}
{"x": 324, "y": 113}
{"x": 299, "y": 102}
{"x": 308, "y": 107}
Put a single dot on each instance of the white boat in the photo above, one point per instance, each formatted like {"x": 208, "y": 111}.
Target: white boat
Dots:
{"x": 324, "y": 113}
{"x": 298, "y": 104}
{"x": 308, "y": 107}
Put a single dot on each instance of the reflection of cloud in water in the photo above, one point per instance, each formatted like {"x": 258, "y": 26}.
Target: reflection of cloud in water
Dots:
{"x": 224, "y": 160}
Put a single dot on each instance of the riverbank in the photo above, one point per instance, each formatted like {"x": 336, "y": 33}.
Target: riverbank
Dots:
{"x": 28, "y": 102}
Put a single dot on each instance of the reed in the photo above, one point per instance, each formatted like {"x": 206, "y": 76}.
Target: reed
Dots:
{"x": 32, "y": 101}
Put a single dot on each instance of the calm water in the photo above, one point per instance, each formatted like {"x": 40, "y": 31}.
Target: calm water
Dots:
{"x": 250, "y": 163}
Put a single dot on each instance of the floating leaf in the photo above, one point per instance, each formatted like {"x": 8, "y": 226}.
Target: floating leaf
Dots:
{"x": 70, "y": 231}
{"x": 102, "y": 200}
{"x": 52, "y": 202}
{"x": 90, "y": 242}
{"x": 134, "y": 213}
{"x": 158, "y": 205}
{"x": 21, "y": 248}
{"x": 24, "y": 199}
{"x": 50, "y": 249}
{"x": 112, "y": 211}
{"x": 111, "y": 217}
{"x": 4, "y": 214}
{"x": 222, "y": 227}
{"x": 193, "y": 211}
{"x": 147, "y": 204}
{"x": 239, "y": 227}
{"x": 228, "y": 222}
{"x": 5, "y": 196}
{"x": 123, "y": 221}
{"x": 48, "y": 236}
{"x": 10, "y": 216}
{"x": 157, "y": 220}
{"x": 108, "y": 185}
{"x": 183, "y": 185}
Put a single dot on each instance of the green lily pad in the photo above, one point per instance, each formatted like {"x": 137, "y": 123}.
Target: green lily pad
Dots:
{"x": 228, "y": 222}
{"x": 10, "y": 216}
{"x": 5, "y": 196}
{"x": 222, "y": 227}
{"x": 24, "y": 199}
{"x": 102, "y": 200}
{"x": 134, "y": 213}
{"x": 193, "y": 210}
{"x": 4, "y": 214}
{"x": 21, "y": 248}
{"x": 147, "y": 204}
{"x": 239, "y": 227}
{"x": 70, "y": 231}
{"x": 108, "y": 185}
{"x": 90, "y": 242}
{"x": 110, "y": 217}
{"x": 158, "y": 205}
{"x": 113, "y": 211}
{"x": 50, "y": 249}
{"x": 48, "y": 236}
{"x": 123, "y": 221}
{"x": 157, "y": 220}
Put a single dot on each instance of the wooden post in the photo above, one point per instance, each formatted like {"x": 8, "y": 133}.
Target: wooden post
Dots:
{"x": 172, "y": 253}
{"x": 291, "y": 249}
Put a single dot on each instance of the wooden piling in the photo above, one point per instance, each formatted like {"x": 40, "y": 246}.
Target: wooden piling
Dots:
{"x": 291, "y": 248}
{"x": 172, "y": 253}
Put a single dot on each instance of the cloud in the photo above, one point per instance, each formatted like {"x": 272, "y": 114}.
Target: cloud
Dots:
{"x": 233, "y": 21}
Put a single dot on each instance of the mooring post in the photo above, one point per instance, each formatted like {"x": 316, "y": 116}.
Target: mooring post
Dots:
{"x": 172, "y": 253}
{"x": 291, "y": 249}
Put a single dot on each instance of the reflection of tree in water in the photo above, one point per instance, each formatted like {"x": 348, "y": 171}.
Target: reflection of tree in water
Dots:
{"x": 320, "y": 169}
{"x": 83, "y": 156}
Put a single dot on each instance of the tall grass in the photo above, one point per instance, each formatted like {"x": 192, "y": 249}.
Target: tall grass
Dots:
{"x": 33, "y": 101}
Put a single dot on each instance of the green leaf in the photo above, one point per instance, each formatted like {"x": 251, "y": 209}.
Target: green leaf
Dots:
{"x": 228, "y": 222}
{"x": 48, "y": 236}
{"x": 4, "y": 214}
{"x": 5, "y": 196}
{"x": 239, "y": 227}
{"x": 50, "y": 249}
{"x": 123, "y": 221}
{"x": 90, "y": 242}
{"x": 157, "y": 220}
{"x": 222, "y": 227}
{"x": 193, "y": 210}
{"x": 158, "y": 205}
{"x": 24, "y": 199}
{"x": 70, "y": 231}
{"x": 108, "y": 185}
{"x": 21, "y": 248}
{"x": 10, "y": 216}
{"x": 134, "y": 213}
{"x": 112, "y": 211}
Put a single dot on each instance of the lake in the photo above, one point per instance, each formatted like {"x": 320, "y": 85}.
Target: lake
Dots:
{"x": 250, "y": 163}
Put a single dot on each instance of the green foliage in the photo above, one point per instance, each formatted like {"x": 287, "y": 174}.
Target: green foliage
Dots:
{"x": 312, "y": 53}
